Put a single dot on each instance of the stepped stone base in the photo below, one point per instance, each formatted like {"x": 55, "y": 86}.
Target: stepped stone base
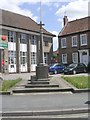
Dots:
{"x": 40, "y": 85}
{"x": 39, "y": 82}
{"x": 40, "y": 90}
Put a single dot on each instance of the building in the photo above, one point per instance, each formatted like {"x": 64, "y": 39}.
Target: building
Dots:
{"x": 55, "y": 56}
{"x": 74, "y": 41}
{"x": 20, "y": 43}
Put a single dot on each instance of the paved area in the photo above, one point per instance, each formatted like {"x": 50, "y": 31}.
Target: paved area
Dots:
{"x": 54, "y": 79}
{"x": 44, "y": 101}
{"x": 24, "y": 76}
{"x": 47, "y": 101}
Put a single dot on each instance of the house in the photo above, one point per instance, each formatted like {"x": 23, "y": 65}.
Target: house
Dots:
{"x": 55, "y": 56}
{"x": 20, "y": 43}
{"x": 74, "y": 41}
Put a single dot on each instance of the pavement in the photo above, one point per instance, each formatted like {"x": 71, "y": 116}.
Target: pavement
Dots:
{"x": 50, "y": 105}
{"x": 48, "y": 101}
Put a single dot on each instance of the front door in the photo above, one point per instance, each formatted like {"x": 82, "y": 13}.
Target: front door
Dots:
{"x": 12, "y": 61}
{"x": 84, "y": 57}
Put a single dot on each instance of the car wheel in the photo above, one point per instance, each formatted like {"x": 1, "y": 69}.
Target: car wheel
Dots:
{"x": 55, "y": 72}
{"x": 74, "y": 72}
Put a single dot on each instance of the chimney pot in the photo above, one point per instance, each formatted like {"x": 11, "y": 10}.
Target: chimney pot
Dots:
{"x": 65, "y": 20}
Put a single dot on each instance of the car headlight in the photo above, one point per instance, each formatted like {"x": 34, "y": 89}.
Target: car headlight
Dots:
{"x": 70, "y": 69}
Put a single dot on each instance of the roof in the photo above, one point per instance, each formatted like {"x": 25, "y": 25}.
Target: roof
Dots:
{"x": 20, "y": 21}
{"x": 56, "y": 52}
{"x": 78, "y": 25}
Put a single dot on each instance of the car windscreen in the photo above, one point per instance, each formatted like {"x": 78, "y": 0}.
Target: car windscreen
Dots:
{"x": 72, "y": 65}
{"x": 53, "y": 65}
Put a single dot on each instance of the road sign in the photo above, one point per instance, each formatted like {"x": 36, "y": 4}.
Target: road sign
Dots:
{"x": 4, "y": 45}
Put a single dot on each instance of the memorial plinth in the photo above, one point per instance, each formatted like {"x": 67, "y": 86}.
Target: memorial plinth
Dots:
{"x": 42, "y": 72}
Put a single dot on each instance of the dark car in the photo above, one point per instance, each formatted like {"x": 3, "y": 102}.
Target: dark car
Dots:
{"x": 75, "y": 68}
{"x": 56, "y": 68}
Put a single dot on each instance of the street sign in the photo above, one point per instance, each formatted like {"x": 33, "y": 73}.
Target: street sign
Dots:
{"x": 4, "y": 45}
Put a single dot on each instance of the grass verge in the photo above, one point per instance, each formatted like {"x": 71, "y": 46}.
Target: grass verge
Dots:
{"x": 80, "y": 82}
{"x": 7, "y": 84}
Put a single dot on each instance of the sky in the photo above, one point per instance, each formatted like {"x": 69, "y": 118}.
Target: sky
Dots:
{"x": 52, "y": 13}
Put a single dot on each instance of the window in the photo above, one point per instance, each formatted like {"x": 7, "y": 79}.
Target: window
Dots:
{"x": 12, "y": 57}
{"x": 33, "y": 40}
{"x": 83, "y": 39}
{"x": 74, "y": 41}
{"x": 46, "y": 43}
{"x": 33, "y": 58}
{"x": 46, "y": 58}
{"x": 64, "y": 58}
{"x": 23, "y": 38}
{"x": 11, "y": 36}
{"x": 75, "y": 57}
{"x": 23, "y": 57}
{"x": 63, "y": 43}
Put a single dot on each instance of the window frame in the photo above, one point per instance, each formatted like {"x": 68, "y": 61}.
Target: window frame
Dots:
{"x": 33, "y": 40}
{"x": 63, "y": 41}
{"x": 33, "y": 58}
{"x": 23, "y": 38}
{"x": 46, "y": 43}
{"x": 73, "y": 60}
{"x": 11, "y": 57}
{"x": 11, "y": 36}
{"x": 81, "y": 40}
{"x": 64, "y": 62}
{"x": 46, "y": 58}
{"x": 74, "y": 41}
{"x": 23, "y": 57}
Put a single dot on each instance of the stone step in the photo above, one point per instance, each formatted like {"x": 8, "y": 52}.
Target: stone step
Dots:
{"x": 41, "y": 90}
{"x": 39, "y": 82}
{"x": 47, "y": 113}
{"x": 81, "y": 116}
{"x": 40, "y": 85}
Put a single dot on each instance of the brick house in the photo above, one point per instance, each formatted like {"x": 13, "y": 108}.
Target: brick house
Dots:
{"x": 20, "y": 43}
{"x": 74, "y": 41}
{"x": 55, "y": 56}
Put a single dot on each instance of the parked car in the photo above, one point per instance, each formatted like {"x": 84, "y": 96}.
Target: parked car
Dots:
{"x": 88, "y": 67}
{"x": 75, "y": 68}
{"x": 56, "y": 68}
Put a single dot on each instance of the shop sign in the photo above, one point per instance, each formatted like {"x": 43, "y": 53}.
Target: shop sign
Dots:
{"x": 4, "y": 45}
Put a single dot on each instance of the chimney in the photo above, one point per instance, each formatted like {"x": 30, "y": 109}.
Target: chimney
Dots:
{"x": 65, "y": 20}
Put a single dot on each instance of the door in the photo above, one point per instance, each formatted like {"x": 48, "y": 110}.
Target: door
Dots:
{"x": 12, "y": 61}
{"x": 23, "y": 59}
{"x": 84, "y": 57}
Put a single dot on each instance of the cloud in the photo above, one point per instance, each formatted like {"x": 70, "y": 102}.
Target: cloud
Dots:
{"x": 14, "y": 6}
{"x": 74, "y": 10}
{"x": 55, "y": 40}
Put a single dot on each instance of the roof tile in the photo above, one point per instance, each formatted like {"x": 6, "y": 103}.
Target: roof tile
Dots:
{"x": 78, "y": 25}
